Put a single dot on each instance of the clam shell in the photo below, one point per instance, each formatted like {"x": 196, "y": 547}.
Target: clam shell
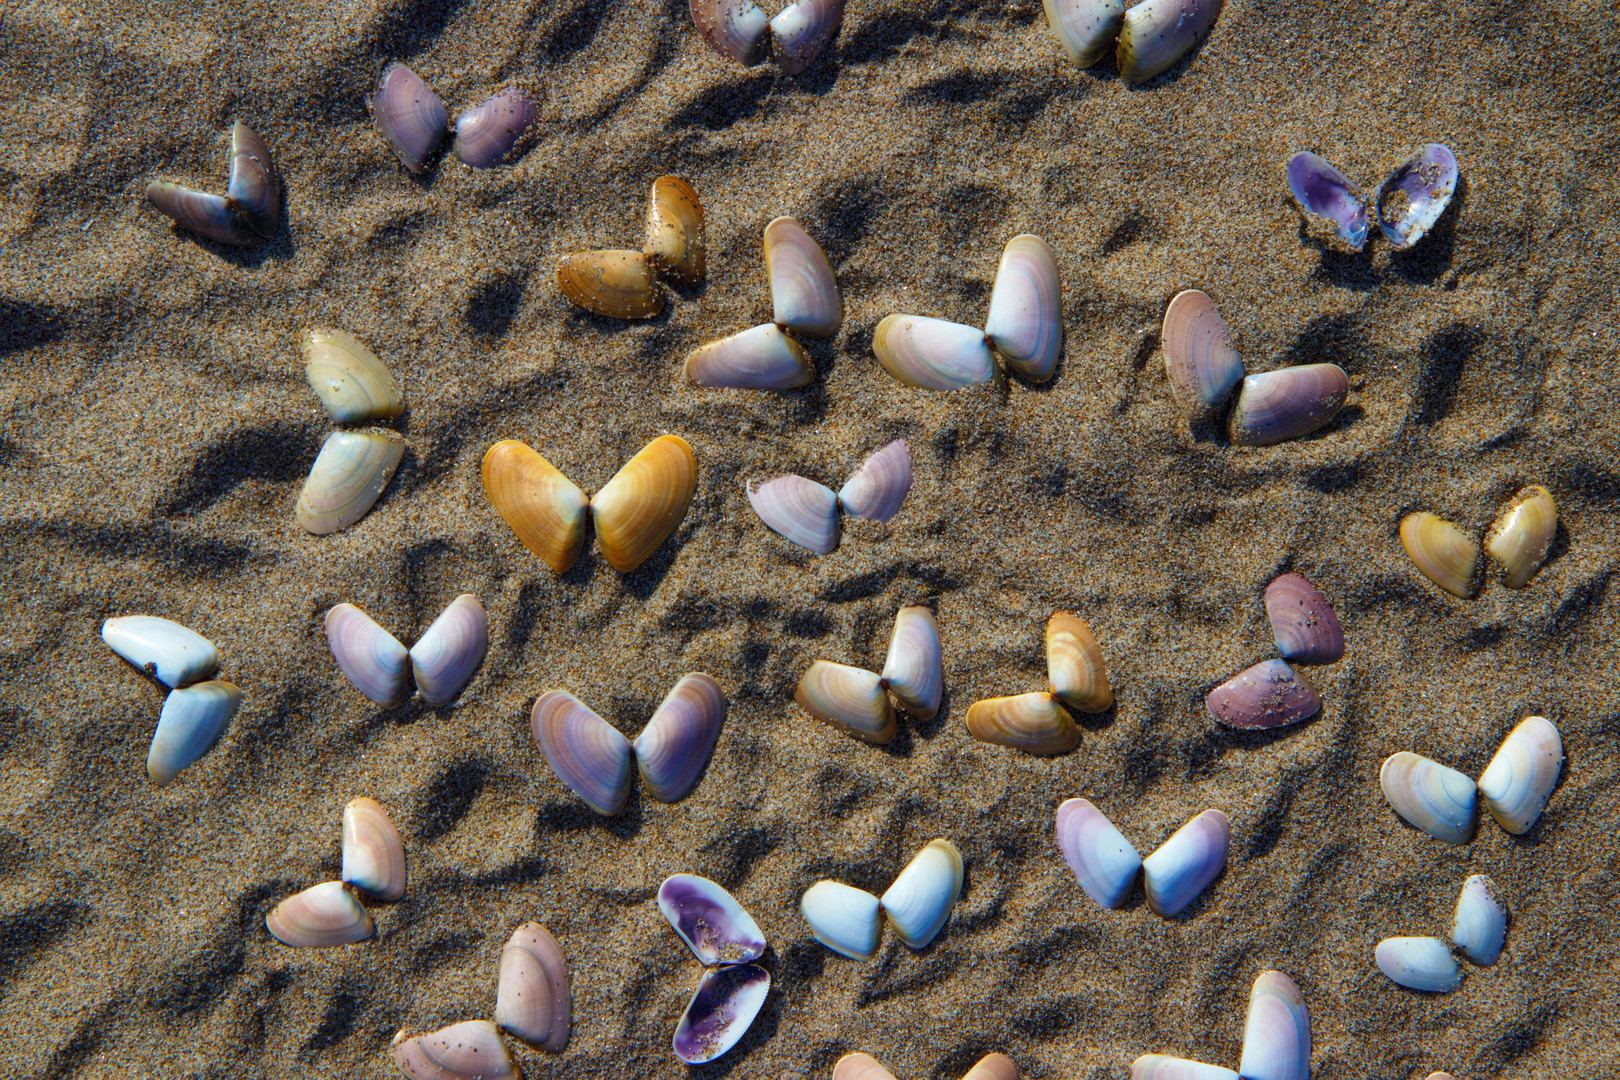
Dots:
{"x": 351, "y": 382}
{"x": 1274, "y": 406}
{"x": 1185, "y": 864}
{"x": 1086, "y": 27}
{"x": 763, "y": 358}
{"x": 618, "y": 284}
{"x": 1480, "y": 925}
{"x": 1103, "y": 861}
{"x": 932, "y": 354}
{"x": 673, "y": 748}
{"x": 1438, "y": 800}
{"x": 1322, "y": 190}
{"x": 860, "y": 1067}
{"x": 409, "y": 115}
{"x": 191, "y": 722}
{"x": 846, "y": 697}
{"x": 586, "y": 752}
{"x": 1160, "y": 1067}
{"x": 532, "y": 997}
{"x": 1302, "y": 621}
{"x": 1268, "y": 695}
{"x": 637, "y": 510}
{"x": 348, "y": 477}
{"x": 1033, "y": 723}
{"x": 843, "y": 918}
{"x": 538, "y": 503}
{"x": 373, "y": 856}
{"x": 920, "y": 900}
{"x": 993, "y": 1067}
{"x": 1523, "y": 532}
{"x": 172, "y": 654}
{"x": 1157, "y": 33}
{"x": 1200, "y": 360}
{"x": 804, "y": 292}
{"x": 710, "y": 921}
{"x": 1025, "y": 324}
{"x": 1522, "y": 774}
{"x": 801, "y": 31}
{"x": 1419, "y": 963}
{"x": 1446, "y": 555}
{"x": 1277, "y": 1031}
{"x": 735, "y": 28}
{"x": 677, "y": 242}
{"x": 880, "y": 485}
{"x": 372, "y": 658}
{"x": 450, "y": 650}
{"x": 800, "y": 511}
{"x": 486, "y": 133}
{"x": 210, "y": 216}
{"x": 254, "y": 189}
{"x": 720, "y": 1012}
{"x": 914, "y": 671}
{"x": 471, "y": 1050}
{"x": 1415, "y": 195}
{"x": 319, "y": 917}
{"x": 1075, "y": 666}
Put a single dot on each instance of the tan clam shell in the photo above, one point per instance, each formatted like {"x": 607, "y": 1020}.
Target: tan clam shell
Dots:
{"x": 860, "y": 1067}
{"x": 373, "y": 856}
{"x": 993, "y": 1067}
{"x": 532, "y": 997}
{"x": 618, "y": 284}
{"x": 1074, "y": 662}
{"x": 542, "y": 506}
{"x": 1034, "y": 723}
{"x": 1446, "y": 555}
{"x": 849, "y": 698}
{"x": 471, "y": 1050}
{"x": 645, "y": 501}
{"x": 1523, "y": 532}
{"x": 319, "y": 917}
{"x": 348, "y": 477}
{"x": 351, "y": 382}
{"x": 677, "y": 242}
{"x": 804, "y": 292}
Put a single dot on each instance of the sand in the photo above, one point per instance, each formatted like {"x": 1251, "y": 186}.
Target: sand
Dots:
{"x": 157, "y": 429}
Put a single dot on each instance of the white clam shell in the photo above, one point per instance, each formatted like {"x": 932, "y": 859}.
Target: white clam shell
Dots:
{"x": 1156, "y": 34}
{"x": 879, "y": 486}
{"x": 450, "y": 650}
{"x": 1277, "y": 1031}
{"x": 1103, "y": 861}
{"x": 673, "y": 748}
{"x": 1086, "y": 27}
{"x": 801, "y": 511}
{"x": 532, "y": 997}
{"x": 1438, "y": 800}
{"x": 914, "y": 671}
{"x": 763, "y": 358}
{"x": 1419, "y": 963}
{"x": 843, "y": 918}
{"x": 373, "y": 855}
{"x": 351, "y": 382}
{"x": 372, "y": 658}
{"x": 1160, "y": 1067}
{"x": 1185, "y": 864}
{"x": 804, "y": 293}
{"x": 1479, "y": 928}
{"x": 347, "y": 479}
{"x": 471, "y": 1050}
{"x": 920, "y": 900}
{"x": 1523, "y": 773}
{"x": 847, "y": 697}
{"x": 1025, "y": 323}
{"x": 319, "y": 917}
{"x": 165, "y": 650}
{"x": 933, "y": 354}
{"x": 191, "y": 722}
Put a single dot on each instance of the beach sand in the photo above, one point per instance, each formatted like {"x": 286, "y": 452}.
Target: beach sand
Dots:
{"x": 157, "y": 428}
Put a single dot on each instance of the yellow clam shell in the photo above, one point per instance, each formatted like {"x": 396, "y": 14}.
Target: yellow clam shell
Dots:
{"x": 1446, "y": 555}
{"x": 1523, "y": 532}
{"x": 644, "y": 502}
{"x": 676, "y": 240}
{"x": 542, "y": 506}
{"x": 1034, "y": 723}
{"x": 618, "y": 284}
{"x": 1074, "y": 662}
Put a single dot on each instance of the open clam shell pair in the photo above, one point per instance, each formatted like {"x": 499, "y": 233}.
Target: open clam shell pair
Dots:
{"x": 848, "y": 920}
{"x": 1038, "y": 723}
{"x": 1272, "y": 694}
{"x": 804, "y": 300}
{"x": 1406, "y": 205}
{"x": 739, "y": 30}
{"x": 354, "y": 467}
{"x": 866, "y": 1067}
{"x": 1024, "y": 329}
{"x": 1515, "y": 785}
{"x": 1276, "y": 1040}
{"x": 412, "y": 118}
{"x": 533, "y": 1001}
{"x": 250, "y": 207}
{"x": 1152, "y": 35}
{"x": 442, "y": 660}
{"x": 1203, "y": 367}
{"x": 726, "y": 940}
{"x": 857, "y": 701}
{"x": 1105, "y": 863}
{"x": 634, "y": 513}
{"x": 329, "y": 914}
{"x": 624, "y": 284}
{"x": 1517, "y": 544}
{"x": 195, "y": 711}
{"x": 1478, "y": 932}
{"x": 805, "y": 513}
{"x": 592, "y": 759}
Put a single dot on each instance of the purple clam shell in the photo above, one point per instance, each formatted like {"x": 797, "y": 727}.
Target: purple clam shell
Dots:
{"x": 1416, "y": 194}
{"x": 879, "y": 486}
{"x": 1269, "y": 695}
{"x": 673, "y": 748}
{"x": 1303, "y": 622}
{"x": 710, "y": 921}
{"x": 409, "y": 115}
{"x": 1288, "y": 403}
{"x": 1326, "y": 192}
{"x": 720, "y": 1012}
{"x": 486, "y": 134}
{"x": 200, "y": 212}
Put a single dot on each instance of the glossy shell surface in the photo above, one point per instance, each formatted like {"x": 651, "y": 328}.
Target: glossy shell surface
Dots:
{"x": 1025, "y": 323}
{"x": 1411, "y": 201}
{"x": 674, "y": 747}
{"x": 736, "y": 29}
{"x": 319, "y": 917}
{"x": 1276, "y": 1031}
{"x": 932, "y": 354}
{"x": 1479, "y": 927}
{"x": 1104, "y": 862}
{"x": 710, "y": 921}
{"x": 845, "y": 919}
{"x": 804, "y": 293}
{"x": 352, "y": 384}
{"x": 207, "y": 215}
{"x": 802, "y": 31}
{"x": 450, "y": 650}
{"x": 878, "y": 488}
{"x": 1157, "y": 33}
{"x": 1288, "y": 403}
{"x": 1324, "y": 191}
{"x": 533, "y": 999}
{"x": 849, "y": 698}
{"x": 761, "y": 358}
{"x": 192, "y": 720}
{"x": 1444, "y": 553}
{"x": 919, "y": 902}
{"x": 1522, "y": 774}
{"x": 914, "y": 671}
{"x": 1429, "y": 796}
{"x": 1085, "y": 27}
{"x": 348, "y": 477}
{"x": 586, "y": 752}
{"x": 618, "y": 284}
{"x": 1200, "y": 359}
{"x": 486, "y": 133}
{"x": 677, "y": 238}
{"x": 1186, "y": 863}
{"x": 254, "y": 190}
{"x": 1075, "y": 665}
{"x": 372, "y": 658}
{"x": 471, "y": 1050}
{"x": 172, "y": 654}
{"x": 1034, "y": 723}
{"x": 1163, "y": 1067}
{"x": 1419, "y": 963}
{"x": 543, "y": 508}
{"x": 720, "y": 1012}
{"x": 637, "y": 510}
{"x": 409, "y": 115}
{"x": 800, "y": 511}
{"x": 373, "y": 855}
{"x": 1303, "y": 622}
{"x": 1521, "y": 536}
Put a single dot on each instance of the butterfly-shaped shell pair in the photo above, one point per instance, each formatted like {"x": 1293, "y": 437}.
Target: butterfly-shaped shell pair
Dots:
{"x": 624, "y": 284}
{"x": 354, "y": 467}
{"x": 726, "y": 940}
{"x": 1517, "y": 544}
{"x": 1152, "y": 35}
{"x": 739, "y": 30}
{"x": 805, "y": 513}
{"x": 250, "y": 207}
{"x": 195, "y": 712}
{"x": 412, "y": 118}
{"x": 1276, "y": 1040}
{"x": 848, "y": 920}
{"x": 1038, "y": 723}
{"x": 1407, "y": 205}
{"x": 329, "y": 914}
{"x": 1478, "y": 931}
{"x": 1105, "y": 863}
{"x": 1272, "y": 694}
{"x": 442, "y": 660}
{"x": 857, "y": 701}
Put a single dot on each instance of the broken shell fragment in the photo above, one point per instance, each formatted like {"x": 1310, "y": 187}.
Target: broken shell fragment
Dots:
{"x": 409, "y": 115}
{"x": 373, "y": 857}
{"x": 486, "y": 134}
{"x": 172, "y": 654}
{"x": 1480, "y": 925}
{"x": 373, "y": 659}
{"x": 914, "y": 671}
{"x": 319, "y": 917}
{"x": 919, "y": 902}
{"x": 804, "y": 293}
{"x": 471, "y": 1050}
{"x": 1161, "y": 1067}
{"x": 586, "y": 752}
{"x": 1276, "y": 1032}
{"x": 720, "y": 1012}
{"x": 254, "y": 188}
{"x": 210, "y": 216}
{"x": 1426, "y": 794}
{"x": 1201, "y": 362}
{"x": 801, "y": 511}
{"x": 1075, "y": 666}
{"x": 637, "y": 510}
{"x": 1523, "y": 532}
{"x": 450, "y": 650}
{"x": 673, "y": 748}
{"x": 1302, "y": 621}
{"x": 860, "y": 1067}
{"x": 1025, "y": 324}
{"x": 801, "y": 31}
{"x": 532, "y": 995}
{"x": 880, "y": 485}
{"x": 1185, "y": 864}
{"x": 932, "y": 354}
{"x": 1103, "y": 861}
{"x": 1446, "y": 555}
{"x": 1415, "y": 195}
{"x": 191, "y": 722}
{"x": 1522, "y": 774}
{"x": 1419, "y": 963}
{"x": 763, "y": 358}
{"x": 1268, "y": 695}
{"x": 1086, "y": 27}
{"x": 677, "y": 242}
{"x": 1322, "y": 190}
{"x": 1033, "y": 723}
{"x": 1157, "y": 33}
{"x": 709, "y": 919}
{"x": 347, "y": 479}
{"x": 1274, "y": 406}
{"x": 540, "y": 505}
{"x": 843, "y": 918}
{"x": 846, "y": 697}
{"x": 735, "y": 28}
{"x": 351, "y": 382}
{"x": 618, "y": 284}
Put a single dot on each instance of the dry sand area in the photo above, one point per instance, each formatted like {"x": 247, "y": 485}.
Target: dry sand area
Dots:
{"x": 157, "y": 427}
